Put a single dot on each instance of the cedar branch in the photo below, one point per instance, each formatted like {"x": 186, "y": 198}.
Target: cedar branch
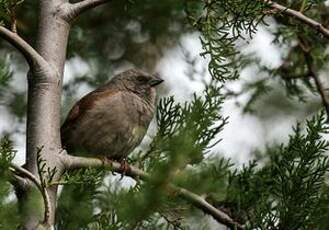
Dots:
{"x": 74, "y": 162}
{"x": 299, "y": 16}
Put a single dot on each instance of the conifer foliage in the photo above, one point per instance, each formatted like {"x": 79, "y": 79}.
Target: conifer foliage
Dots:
{"x": 178, "y": 179}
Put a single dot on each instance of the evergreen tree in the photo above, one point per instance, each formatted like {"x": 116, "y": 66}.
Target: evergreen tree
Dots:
{"x": 175, "y": 181}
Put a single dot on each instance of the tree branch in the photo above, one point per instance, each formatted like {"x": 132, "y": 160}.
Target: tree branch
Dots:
{"x": 21, "y": 173}
{"x": 299, "y": 16}
{"x": 306, "y": 49}
{"x": 206, "y": 207}
{"x": 74, "y": 162}
{"x": 72, "y": 11}
{"x": 35, "y": 60}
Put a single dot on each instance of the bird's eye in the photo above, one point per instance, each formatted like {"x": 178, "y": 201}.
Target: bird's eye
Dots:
{"x": 142, "y": 79}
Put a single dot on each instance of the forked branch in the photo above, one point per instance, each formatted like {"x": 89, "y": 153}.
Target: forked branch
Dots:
{"x": 23, "y": 173}
{"x": 299, "y": 16}
{"x": 35, "y": 60}
{"x": 72, "y": 11}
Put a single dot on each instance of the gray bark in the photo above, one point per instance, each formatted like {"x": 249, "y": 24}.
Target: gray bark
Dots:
{"x": 44, "y": 100}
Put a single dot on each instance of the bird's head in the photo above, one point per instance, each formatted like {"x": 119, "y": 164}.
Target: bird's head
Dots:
{"x": 139, "y": 82}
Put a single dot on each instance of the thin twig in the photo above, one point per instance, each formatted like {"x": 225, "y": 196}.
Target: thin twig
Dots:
{"x": 13, "y": 21}
{"x": 26, "y": 174}
{"x": 302, "y": 6}
{"x": 206, "y": 207}
{"x": 74, "y": 162}
{"x": 299, "y": 16}
{"x": 306, "y": 49}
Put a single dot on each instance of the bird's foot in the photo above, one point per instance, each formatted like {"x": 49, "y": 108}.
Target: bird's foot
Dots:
{"x": 124, "y": 167}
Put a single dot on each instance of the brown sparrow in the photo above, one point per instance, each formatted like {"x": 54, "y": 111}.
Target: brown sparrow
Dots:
{"x": 113, "y": 119}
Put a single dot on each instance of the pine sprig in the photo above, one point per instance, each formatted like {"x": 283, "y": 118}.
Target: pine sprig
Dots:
{"x": 288, "y": 189}
{"x": 5, "y": 74}
{"x": 46, "y": 174}
{"x": 7, "y": 154}
{"x": 187, "y": 131}
{"x": 7, "y": 9}
{"x": 9, "y": 216}
{"x": 116, "y": 211}
{"x": 221, "y": 24}
{"x": 82, "y": 176}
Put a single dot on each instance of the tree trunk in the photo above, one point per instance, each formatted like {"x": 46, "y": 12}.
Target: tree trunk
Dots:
{"x": 44, "y": 100}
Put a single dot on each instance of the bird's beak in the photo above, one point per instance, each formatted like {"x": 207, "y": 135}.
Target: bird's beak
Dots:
{"x": 155, "y": 81}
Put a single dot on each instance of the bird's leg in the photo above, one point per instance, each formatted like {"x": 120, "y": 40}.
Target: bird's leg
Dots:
{"x": 124, "y": 167}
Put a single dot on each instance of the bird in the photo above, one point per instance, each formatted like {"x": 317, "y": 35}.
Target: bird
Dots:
{"x": 112, "y": 120}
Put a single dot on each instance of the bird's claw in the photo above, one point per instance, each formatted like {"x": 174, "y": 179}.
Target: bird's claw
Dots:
{"x": 124, "y": 167}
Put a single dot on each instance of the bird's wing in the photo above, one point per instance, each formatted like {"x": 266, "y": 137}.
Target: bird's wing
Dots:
{"x": 86, "y": 103}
